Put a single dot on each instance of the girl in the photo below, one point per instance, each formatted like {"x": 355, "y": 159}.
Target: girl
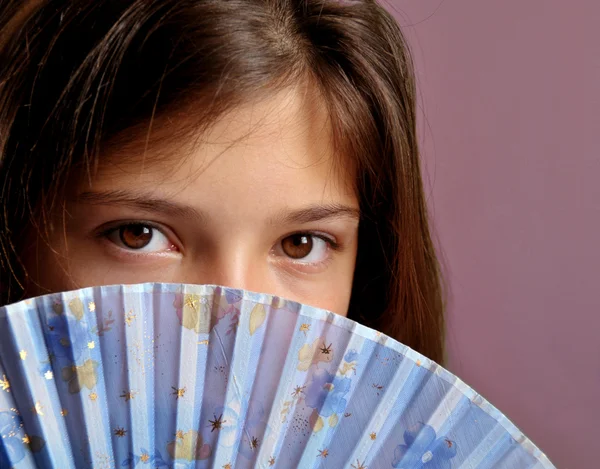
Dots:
{"x": 268, "y": 145}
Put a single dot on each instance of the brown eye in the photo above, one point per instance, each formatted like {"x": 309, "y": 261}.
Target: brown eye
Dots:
{"x": 135, "y": 236}
{"x": 297, "y": 246}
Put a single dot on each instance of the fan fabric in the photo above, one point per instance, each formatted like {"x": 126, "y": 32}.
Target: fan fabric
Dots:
{"x": 201, "y": 376}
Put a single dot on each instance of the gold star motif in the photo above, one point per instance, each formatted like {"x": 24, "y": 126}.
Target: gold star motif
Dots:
{"x": 191, "y": 301}
{"x": 203, "y": 342}
{"x": 227, "y": 466}
{"x": 271, "y": 461}
{"x": 326, "y": 350}
{"x": 216, "y": 423}
{"x": 91, "y": 344}
{"x": 253, "y": 443}
{"x": 48, "y": 375}
{"x": 92, "y": 306}
{"x": 4, "y": 384}
{"x": 64, "y": 412}
{"x": 298, "y": 391}
{"x": 23, "y": 354}
{"x": 178, "y": 392}
{"x": 120, "y": 432}
{"x": 145, "y": 457}
{"x": 359, "y": 465}
{"x": 128, "y": 395}
{"x": 179, "y": 435}
{"x": 304, "y": 328}
{"x": 37, "y": 409}
{"x": 323, "y": 453}
{"x": 129, "y": 317}
{"x": 93, "y": 396}
{"x": 373, "y": 435}
{"x": 418, "y": 362}
{"x": 26, "y": 439}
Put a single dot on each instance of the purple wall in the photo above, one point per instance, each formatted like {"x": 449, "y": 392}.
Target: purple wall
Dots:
{"x": 510, "y": 125}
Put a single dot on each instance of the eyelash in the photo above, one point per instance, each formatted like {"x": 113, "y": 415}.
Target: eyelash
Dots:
{"x": 105, "y": 232}
{"x": 331, "y": 243}
{"x": 317, "y": 234}
{"x": 303, "y": 265}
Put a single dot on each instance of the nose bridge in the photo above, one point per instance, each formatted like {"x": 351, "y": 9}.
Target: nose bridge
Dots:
{"x": 233, "y": 269}
{"x": 236, "y": 265}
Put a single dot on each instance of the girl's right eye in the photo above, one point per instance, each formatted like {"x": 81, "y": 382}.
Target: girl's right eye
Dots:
{"x": 140, "y": 237}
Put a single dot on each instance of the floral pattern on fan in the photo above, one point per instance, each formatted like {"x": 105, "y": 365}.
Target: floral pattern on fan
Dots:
{"x": 326, "y": 394}
{"x": 187, "y": 376}
{"x": 188, "y": 446}
{"x": 228, "y": 421}
{"x": 80, "y": 377}
{"x": 16, "y": 442}
{"x": 423, "y": 451}
{"x": 67, "y": 336}
{"x": 10, "y": 432}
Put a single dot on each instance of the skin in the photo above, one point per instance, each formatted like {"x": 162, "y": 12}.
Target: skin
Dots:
{"x": 256, "y": 203}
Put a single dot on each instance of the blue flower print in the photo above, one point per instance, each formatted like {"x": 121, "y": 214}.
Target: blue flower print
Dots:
{"x": 230, "y": 420}
{"x": 13, "y": 449}
{"x": 67, "y": 336}
{"x": 351, "y": 356}
{"x": 348, "y": 366}
{"x": 423, "y": 451}
{"x": 326, "y": 393}
{"x": 255, "y": 425}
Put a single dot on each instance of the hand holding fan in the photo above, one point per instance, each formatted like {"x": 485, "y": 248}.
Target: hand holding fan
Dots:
{"x": 189, "y": 376}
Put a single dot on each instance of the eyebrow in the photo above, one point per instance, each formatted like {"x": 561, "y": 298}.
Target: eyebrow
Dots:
{"x": 139, "y": 201}
{"x": 316, "y": 213}
{"x": 148, "y": 203}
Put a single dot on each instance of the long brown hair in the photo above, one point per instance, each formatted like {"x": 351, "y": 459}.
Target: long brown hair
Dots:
{"x": 74, "y": 74}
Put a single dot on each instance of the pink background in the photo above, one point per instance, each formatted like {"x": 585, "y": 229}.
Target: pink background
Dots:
{"x": 510, "y": 95}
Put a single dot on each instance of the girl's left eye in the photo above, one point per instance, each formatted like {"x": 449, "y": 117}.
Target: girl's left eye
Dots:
{"x": 305, "y": 248}
{"x": 140, "y": 237}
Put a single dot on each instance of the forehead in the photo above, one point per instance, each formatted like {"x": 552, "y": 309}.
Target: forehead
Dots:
{"x": 279, "y": 143}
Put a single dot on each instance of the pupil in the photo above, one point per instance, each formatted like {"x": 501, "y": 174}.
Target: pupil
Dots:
{"x": 135, "y": 236}
{"x": 299, "y": 240}
{"x": 297, "y": 246}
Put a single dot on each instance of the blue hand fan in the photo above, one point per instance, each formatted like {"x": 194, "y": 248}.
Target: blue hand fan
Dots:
{"x": 195, "y": 376}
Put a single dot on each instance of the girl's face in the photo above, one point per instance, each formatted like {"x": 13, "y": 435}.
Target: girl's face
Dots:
{"x": 257, "y": 204}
